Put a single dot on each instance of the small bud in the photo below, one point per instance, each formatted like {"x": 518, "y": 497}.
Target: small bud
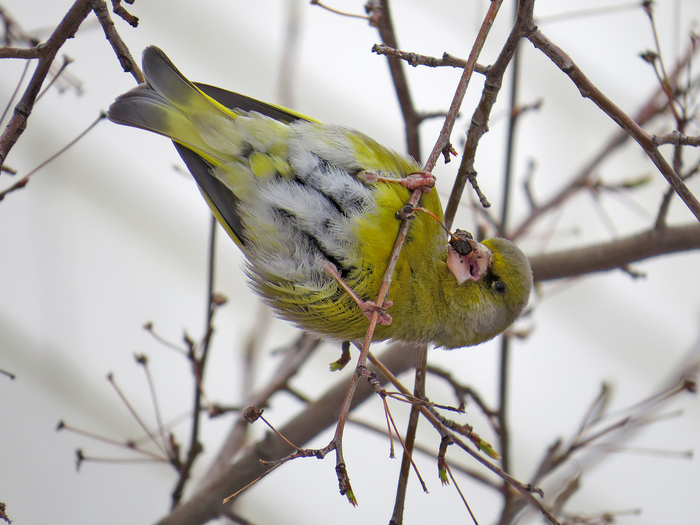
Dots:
{"x": 79, "y": 458}
{"x": 442, "y": 472}
{"x": 460, "y": 242}
{"x": 219, "y": 299}
{"x": 216, "y": 410}
{"x": 252, "y": 413}
{"x": 649, "y": 56}
{"x": 405, "y": 213}
{"x": 691, "y": 386}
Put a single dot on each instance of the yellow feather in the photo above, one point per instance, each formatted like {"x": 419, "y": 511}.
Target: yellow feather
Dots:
{"x": 292, "y": 193}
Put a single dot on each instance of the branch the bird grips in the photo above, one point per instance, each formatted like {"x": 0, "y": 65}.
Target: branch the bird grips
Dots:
{"x": 300, "y": 197}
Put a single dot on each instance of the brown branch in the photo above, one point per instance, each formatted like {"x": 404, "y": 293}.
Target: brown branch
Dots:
{"x": 442, "y": 146}
{"x": 676, "y": 138}
{"x": 314, "y": 419}
{"x": 129, "y": 65}
{"x": 655, "y": 105}
{"x": 121, "y": 12}
{"x": 46, "y": 53}
{"x": 589, "y": 90}
{"x": 65, "y": 30}
{"x": 415, "y": 59}
{"x": 198, "y": 363}
{"x": 295, "y": 357}
{"x": 26, "y": 53}
{"x": 479, "y": 123}
{"x": 411, "y": 117}
{"x": 615, "y": 254}
{"x": 411, "y": 430}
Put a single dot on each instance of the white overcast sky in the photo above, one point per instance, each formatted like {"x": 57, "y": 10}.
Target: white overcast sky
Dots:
{"x": 110, "y": 236}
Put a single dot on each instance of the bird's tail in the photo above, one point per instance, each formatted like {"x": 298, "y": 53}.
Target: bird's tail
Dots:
{"x": 205, "y": 131}
{"x": 170, "y": 105}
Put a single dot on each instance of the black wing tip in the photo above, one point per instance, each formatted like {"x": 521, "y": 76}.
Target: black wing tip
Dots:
{"x": 152, "y": 52}
{"x": 155, "y": 58}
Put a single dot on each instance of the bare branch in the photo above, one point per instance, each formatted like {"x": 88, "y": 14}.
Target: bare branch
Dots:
{"x": 46, "y": 53}
{"x": 676, "y": 138}
{"x": 615, "y": 254}
{"x": 26, "y": 53}
{"x": 414, "y": 59}
{"x": 411, "y": 117}
{"x": 479, "y": 123}
{"x": 654, "y": 106}
{"x": 314, "y": 419}
{"x": 589, "y": 90}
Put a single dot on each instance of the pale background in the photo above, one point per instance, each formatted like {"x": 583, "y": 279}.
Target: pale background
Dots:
{"x": 109, "y": 236}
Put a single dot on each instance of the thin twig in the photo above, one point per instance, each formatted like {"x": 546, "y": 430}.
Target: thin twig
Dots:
{"x": 589, "y": 90}
{"x": 198, "y": 365}
{"x": 46, "y": 53}
{"x": 525, "y": 490}
{"x": 380, "y": 12}
{"x": 412, "y": 428}
{"x": 443, "y": 141}
{"x": 414, "y": 59}
{"x": 480, "y": 118}
{"x": 615, "y": 254}
{"x": 21, "y": 183}
{"x": 654, "y": 106}
{"x": 133, "y": 412}
{"x": 128, "y": 445}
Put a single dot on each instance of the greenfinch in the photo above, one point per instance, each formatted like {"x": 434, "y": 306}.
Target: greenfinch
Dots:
{"x": 314, "y": 209}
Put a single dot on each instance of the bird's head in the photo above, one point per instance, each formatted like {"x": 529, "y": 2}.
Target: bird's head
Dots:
{"x": 493, "y": 286}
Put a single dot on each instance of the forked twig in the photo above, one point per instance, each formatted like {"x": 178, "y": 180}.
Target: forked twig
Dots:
{"x": 441, "y": 146}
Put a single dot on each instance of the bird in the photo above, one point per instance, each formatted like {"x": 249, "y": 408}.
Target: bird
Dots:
{"x": 315, "y": 208}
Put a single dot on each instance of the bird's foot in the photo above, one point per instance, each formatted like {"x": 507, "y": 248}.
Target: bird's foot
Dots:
{"x": 421, "y": 179}
{"x": 367, "y": 307}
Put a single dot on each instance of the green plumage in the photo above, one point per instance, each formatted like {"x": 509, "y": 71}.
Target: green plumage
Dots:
{"x": 291, "y": 193}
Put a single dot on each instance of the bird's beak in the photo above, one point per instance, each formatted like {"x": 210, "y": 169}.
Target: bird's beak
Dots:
{"x": 472, "y": 266}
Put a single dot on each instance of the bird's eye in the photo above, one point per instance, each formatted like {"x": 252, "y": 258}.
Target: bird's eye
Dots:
{"x": 499, "y": 287}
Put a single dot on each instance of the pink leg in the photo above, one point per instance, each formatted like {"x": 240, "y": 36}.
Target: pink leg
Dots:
{"x": 367, "y": 307}
{"x": 420, "y": 179}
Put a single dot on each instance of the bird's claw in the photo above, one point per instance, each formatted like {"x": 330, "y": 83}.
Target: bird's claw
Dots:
{"x": 419, "y": 180}
{"x": 369, "y": 307}
{"x": 422, "y": 180}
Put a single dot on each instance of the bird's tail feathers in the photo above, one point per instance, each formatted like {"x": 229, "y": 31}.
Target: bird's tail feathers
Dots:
{"x": 168, "y": 104}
